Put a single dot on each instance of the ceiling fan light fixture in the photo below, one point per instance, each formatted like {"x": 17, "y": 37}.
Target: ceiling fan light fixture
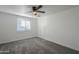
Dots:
{"x": 34, "y": 13}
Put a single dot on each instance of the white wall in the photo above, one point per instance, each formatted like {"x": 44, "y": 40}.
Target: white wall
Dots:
{"x": 61, "y": 28}
{"x": 8, "y": 32}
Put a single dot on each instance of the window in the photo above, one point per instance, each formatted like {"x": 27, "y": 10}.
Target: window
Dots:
{"x": 27, "y": 25}
{"x": 23, "y": 25}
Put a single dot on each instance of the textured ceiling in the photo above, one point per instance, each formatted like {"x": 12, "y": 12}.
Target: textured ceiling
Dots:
{"x": 23, "y": 10}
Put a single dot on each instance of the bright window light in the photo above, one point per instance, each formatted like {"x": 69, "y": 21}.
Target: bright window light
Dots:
{"x": 27, "y": 25}
{"x": 23, "y": 25}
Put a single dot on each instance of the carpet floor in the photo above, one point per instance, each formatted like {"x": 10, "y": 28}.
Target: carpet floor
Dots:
{"x": 34, "y": 45}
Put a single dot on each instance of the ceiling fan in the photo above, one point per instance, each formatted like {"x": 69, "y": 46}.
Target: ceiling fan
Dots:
{"x": 36, "y": 10}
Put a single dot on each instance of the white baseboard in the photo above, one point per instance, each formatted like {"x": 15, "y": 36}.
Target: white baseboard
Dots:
{"x": 59, "y": 43}
{"x": 16, "y": 39}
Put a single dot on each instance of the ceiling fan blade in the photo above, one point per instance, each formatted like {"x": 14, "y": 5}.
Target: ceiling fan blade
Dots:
{"x": 34, "y": 8}
{"x": 41, "y": 11}
{"x": 40, "y": 6}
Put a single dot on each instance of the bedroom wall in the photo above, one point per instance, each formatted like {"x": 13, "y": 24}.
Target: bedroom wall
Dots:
{"x": 8, "y": 23}
{"x": 61, "y": 28}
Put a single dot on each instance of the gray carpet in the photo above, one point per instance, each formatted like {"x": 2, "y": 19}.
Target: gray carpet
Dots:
{"x": 34, "y": 46}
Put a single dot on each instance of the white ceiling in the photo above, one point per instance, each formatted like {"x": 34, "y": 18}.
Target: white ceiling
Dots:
{"x": 23, "y": 10}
